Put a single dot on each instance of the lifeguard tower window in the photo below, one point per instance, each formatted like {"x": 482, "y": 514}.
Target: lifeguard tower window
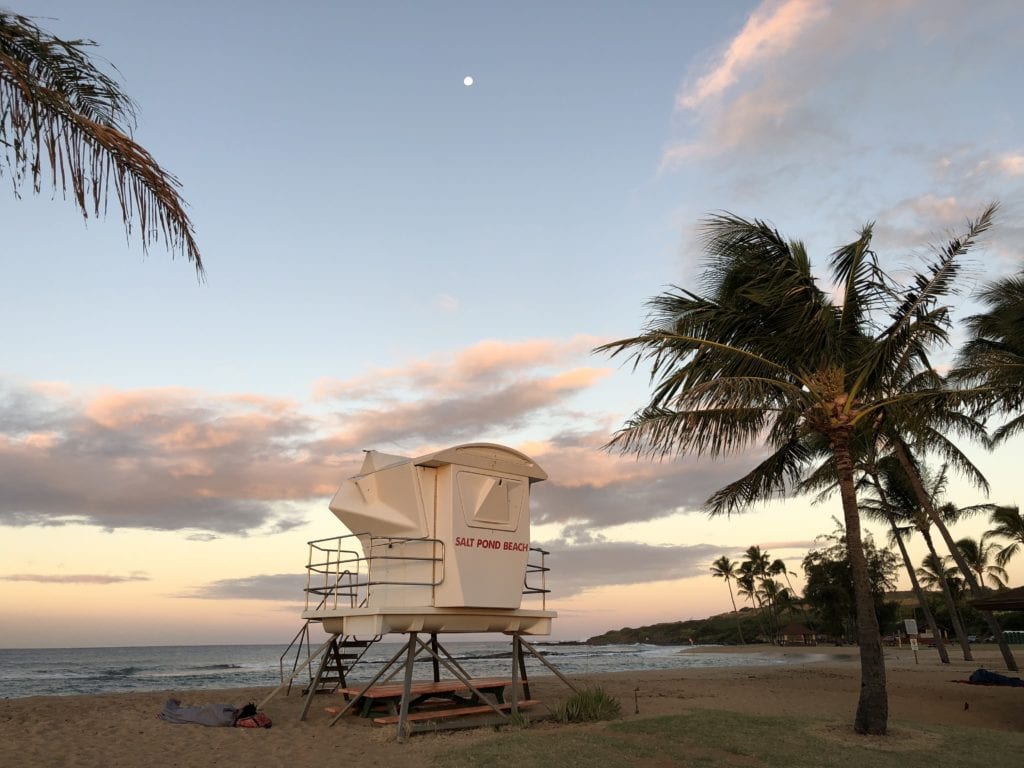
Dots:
{"x": 491, "y": 502}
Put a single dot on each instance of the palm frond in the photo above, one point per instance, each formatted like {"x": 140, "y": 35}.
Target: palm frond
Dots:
{"x": 59, "y": 111}
{"x": 769, "y": 479}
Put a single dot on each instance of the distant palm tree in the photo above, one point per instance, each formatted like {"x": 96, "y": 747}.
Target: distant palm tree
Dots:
{"x": 767, "y": 355}
{"x": 724, "y": 568}
{"x": 759, "y": 561}
{"x": 878, "y": 473}
{"x": 978, "y": 553}
{"x": 906, "y": 508}
{"x": 939, "y": 517}
{"x": 940, "y": 572}
{"x": 59, "y": 111}
{"x": 1008, "y": 523}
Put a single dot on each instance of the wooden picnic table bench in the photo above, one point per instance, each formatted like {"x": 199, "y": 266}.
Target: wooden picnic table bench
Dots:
{"x": 390, "y": 695}
{"x": 441, "y": 714}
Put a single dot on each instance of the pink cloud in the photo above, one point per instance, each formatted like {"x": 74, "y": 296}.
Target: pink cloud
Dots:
{"x": 771, "y": 31}
{"x": 484, "y": 362}
{"x": 1008, "y": 164}
{"x": 771, "y": 87}
{"x": 178, "y": 458}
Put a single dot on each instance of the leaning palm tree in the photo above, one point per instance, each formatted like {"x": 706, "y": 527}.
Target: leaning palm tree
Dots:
{"x": 64, "y": 120}
{"x": 766, "y": 355}
{"x": 914, "y": 475}
{"x": 724, "y": 568}
{"x": 875, "y": 504}
{"x": 881, "y": 508}
{"x": 979, "y": 554}
{"x": 907, "y": 509}
{"x": 1008, "y": 523}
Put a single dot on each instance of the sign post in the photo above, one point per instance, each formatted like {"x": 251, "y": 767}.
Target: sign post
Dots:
{"x": 911, "y": 627}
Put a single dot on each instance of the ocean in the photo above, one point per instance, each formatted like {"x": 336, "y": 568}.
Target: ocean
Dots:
{"x": 86, "y": 671}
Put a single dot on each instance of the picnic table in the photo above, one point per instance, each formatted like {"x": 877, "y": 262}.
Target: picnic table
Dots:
{"x": 389, "y": 696}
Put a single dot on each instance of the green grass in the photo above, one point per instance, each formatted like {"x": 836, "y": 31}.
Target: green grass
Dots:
{"x": 711, "y": 739}
{"x": 587, "y": 706}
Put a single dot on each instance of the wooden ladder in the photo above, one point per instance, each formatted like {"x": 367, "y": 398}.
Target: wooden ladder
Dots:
{"x": 331, "y": 675}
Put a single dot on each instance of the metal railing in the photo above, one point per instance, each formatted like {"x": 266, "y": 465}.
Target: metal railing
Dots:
{"x": 341, "y": 577}
{"x": 537, "y": 570}
{"x": 338, "y": 576}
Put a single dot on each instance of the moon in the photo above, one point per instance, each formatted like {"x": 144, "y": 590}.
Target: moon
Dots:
{"x": 467, "y": 81}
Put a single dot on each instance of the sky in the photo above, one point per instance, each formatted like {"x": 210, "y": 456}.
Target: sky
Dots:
{"x": 397, "y": 261}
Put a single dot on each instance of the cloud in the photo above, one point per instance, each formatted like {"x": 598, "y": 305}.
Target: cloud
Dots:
{"x": 812, "y": 81}
{"x": 162, "y": 459}
{"x": 245, "y": 464}
{"x": 576, "y": 568}
{"x": 447, "y": 304}
{"x": 486, "y": 363}
{"x": 74, "y": 578}
{"x": 752, "y": 94}
{"x": 915, "y": 224}
{"x": 592, "y": 489}
{"x": 181, "y": 459}
{"x": 1010, "y": 164}
{"x": 770, "y": 32}
{"x": 285, "y": 587}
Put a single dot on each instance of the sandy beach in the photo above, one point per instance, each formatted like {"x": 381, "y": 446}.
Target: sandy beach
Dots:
{"x": 821, "y": 683}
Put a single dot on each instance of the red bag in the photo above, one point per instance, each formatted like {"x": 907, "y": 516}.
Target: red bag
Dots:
{"x": 259, "y": 720}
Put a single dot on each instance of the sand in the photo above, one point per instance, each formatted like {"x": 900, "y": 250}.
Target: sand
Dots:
{"x": 123, "y": 730}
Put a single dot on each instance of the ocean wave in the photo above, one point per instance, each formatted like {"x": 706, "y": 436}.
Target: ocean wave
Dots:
{"x": 122, "y": 672}
{"x": 212, "y": 667}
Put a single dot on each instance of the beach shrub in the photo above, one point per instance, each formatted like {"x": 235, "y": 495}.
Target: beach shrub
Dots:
{"x": 588, "y": 705}
{"x": 517, "y": 721}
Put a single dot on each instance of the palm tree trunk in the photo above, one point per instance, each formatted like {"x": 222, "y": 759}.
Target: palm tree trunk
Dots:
{"x": 954, "y": 550}
{"x": 919, "y": 594}
{"x": 873, "y": 705}
{"x": 909, "y": 565}
{"x": 947, "y": 594}
{"x": 739, "y": 627}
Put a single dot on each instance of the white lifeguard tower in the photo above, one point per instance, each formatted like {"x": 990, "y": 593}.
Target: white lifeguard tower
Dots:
{"x": 438, "y": 544}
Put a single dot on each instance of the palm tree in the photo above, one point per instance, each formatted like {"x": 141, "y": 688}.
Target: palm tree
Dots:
{"x": 1008, "y": 523}
{"x": 883, "y": 509}
{"x": 913, "y": 472}
{"x": 940, "y": 572}
{"x": 906, "y": 508}
{"x": 775, "y": 597}
{"x": 724, "y": 568}
{"x": 758, "y": 560}
{"x": 768, "y": 355}
{"x": 59, "y": 111}
{"x": 876, "y": 505}
{"x": 978, "y": 553}
{"x": 758, "y": 564}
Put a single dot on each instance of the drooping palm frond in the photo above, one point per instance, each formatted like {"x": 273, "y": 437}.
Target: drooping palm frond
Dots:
{"x": 1008, "y": 523}
{"x": 59, "y": 111}
{"x": 659, "y": 432}
{"x": 772, "y": 478}
{"x": 993, "y": 358}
